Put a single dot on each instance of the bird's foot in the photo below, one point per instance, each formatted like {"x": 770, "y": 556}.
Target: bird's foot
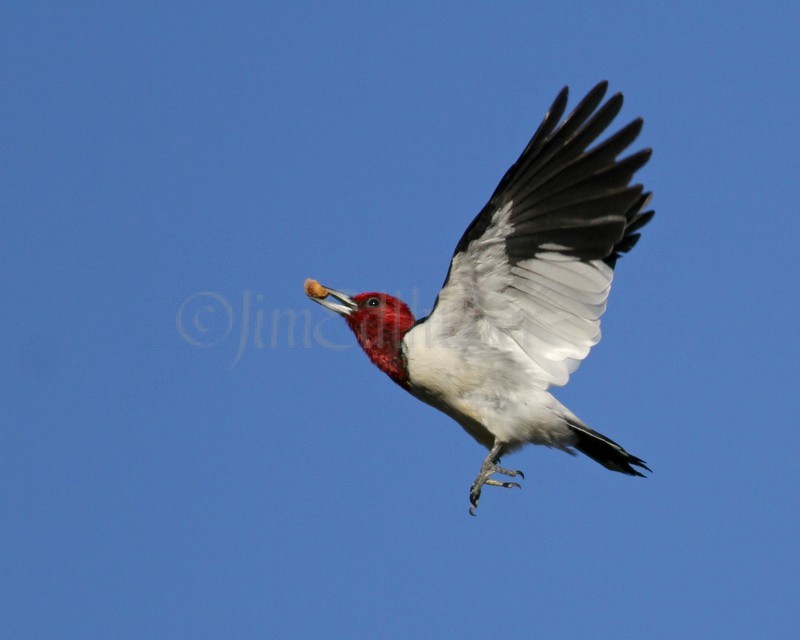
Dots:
{"x": 491, "y": 465}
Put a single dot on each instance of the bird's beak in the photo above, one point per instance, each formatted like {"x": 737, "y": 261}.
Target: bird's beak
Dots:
{"x": 345, "y": 309}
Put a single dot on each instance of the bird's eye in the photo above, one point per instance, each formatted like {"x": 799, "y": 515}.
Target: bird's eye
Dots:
{"x": 373, "y": 302}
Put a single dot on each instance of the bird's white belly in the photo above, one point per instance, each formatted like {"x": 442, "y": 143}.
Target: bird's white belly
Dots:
{"x": 485, "y": 389}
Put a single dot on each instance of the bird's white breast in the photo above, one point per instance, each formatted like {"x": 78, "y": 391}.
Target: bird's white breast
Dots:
{"x": 475, "y": 381}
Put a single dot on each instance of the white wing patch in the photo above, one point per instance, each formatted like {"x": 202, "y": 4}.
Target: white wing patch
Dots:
{"x": 544, "y": 312}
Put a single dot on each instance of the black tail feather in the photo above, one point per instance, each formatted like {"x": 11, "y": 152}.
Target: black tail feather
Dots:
{"x": 605, "y": 451}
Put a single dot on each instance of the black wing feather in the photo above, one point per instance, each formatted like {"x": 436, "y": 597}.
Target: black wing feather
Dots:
{"x": 567, "y": 197}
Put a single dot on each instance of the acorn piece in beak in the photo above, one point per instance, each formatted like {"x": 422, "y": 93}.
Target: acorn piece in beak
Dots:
{"x": 315, "y": 290}
{"x": 318, "y": 293}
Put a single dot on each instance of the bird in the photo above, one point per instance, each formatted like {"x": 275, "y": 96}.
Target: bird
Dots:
{"x": 521, "y": 304}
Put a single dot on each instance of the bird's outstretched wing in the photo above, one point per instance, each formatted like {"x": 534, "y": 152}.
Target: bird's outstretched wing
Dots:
{"x": 533, "y": 270}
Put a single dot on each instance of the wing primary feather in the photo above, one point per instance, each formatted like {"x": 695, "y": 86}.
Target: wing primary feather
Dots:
{"x": 573, "y": 187}
{"x": 548, "y": 130}
{"x": 549, "y": 123}
{"x": 595, "y": 170}
{"x": 601, "y": 156}
{"x": 540, "y": 138}
{"x": 636, "y": 219}
{"x": 570, "y": 140}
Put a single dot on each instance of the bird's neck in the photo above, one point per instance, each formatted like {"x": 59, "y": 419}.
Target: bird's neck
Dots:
{"x": 389, "y": 359}
{"x": 382, "y": 342}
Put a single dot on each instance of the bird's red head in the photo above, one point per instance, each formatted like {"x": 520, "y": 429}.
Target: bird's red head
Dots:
{"x": 380, "y": 321}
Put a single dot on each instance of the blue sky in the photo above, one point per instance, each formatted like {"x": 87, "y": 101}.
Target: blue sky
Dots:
{"x": 191, "y": 449}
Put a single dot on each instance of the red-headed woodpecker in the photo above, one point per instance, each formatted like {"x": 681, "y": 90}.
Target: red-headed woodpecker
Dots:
{"x": 521, "y": 304}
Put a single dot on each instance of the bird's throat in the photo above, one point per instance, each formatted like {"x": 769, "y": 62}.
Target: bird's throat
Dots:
{"x": 382, "y": 342}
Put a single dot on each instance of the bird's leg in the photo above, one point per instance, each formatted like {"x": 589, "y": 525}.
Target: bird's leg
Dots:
{"x": 491, "y": 464}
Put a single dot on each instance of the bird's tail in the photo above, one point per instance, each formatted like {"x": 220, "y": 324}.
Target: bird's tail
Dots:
{"x": 605, "y": 451}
